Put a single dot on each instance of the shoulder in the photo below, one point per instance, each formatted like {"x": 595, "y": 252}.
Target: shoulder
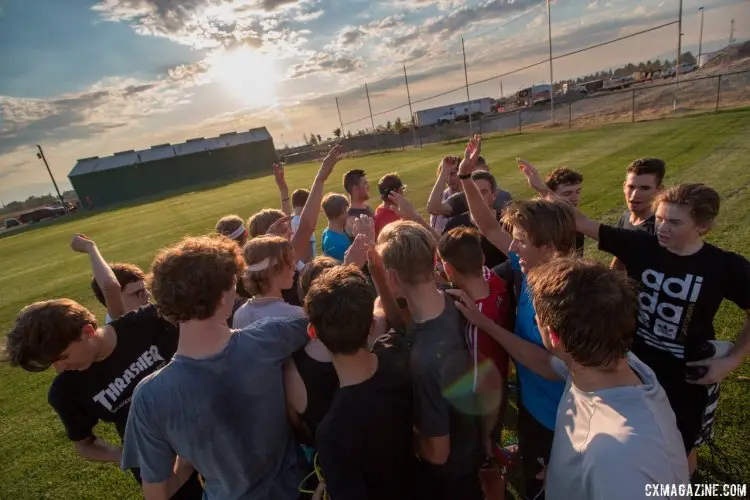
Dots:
{"x": 623, "y": 220}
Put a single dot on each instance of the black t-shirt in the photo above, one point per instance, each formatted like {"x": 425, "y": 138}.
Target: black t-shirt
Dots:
{"x": 458, "y": 204}
{"x": 365, "y": 440}
{"x": 356, "y": 212}
{"x": 678, "y": 295}
{"x": 647, "y": 225}
{"x": 492, "y": 255}
{"x": 444, "y": 400}
{"x": 580, "y": 240}
{"x": 145, "y": 343}
{"x": 291, "y": 295}
{"x": 321, "y": 383}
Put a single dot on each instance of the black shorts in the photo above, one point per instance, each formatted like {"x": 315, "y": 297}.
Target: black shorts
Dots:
{"x": 191, "y": 490}
{"x": 535, "y": 446}
{"x": 694, "y": 408}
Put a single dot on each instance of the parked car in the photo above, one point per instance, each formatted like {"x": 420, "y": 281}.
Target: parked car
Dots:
{"x": 40, "y": 214}
{"x": 9, "y": 223}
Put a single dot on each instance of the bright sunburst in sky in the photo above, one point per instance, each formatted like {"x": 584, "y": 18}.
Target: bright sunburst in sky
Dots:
{"x": 91, "y": 77}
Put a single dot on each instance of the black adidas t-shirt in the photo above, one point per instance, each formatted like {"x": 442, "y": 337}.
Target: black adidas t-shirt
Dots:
{"x": 679, "y": 295}
{"x": 145, "y": 343}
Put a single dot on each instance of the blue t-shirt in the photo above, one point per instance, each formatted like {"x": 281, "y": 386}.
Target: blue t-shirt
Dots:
{"x": 224, "y": 413}
{"x": 335, "y": 244}
{"x": 540, "y": 396}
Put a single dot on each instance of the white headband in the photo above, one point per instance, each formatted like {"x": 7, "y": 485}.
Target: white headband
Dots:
{"x": 237, "y": 233}
{"x": 260, "y": 266}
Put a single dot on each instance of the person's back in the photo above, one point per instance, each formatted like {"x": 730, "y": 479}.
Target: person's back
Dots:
{"x": 632, "y": 426}
{"x": 265, "y": 307}
{"x": 223, "y": 412}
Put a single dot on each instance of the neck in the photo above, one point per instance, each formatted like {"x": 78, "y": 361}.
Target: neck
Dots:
{"x": 357, "y": 204}
{"x": 425, "y": 302}
{"x": 640, "y": 217}
{"x": 273, "y": 293}
{"x": 336, "y": 226}
{"x": 688, "y": 249}
{"x": 202, "y": 338}
{"x": 475, "y": 288}
{"x": 616, "y": 374}
{"x": 106, "y": 341}
{"x": 354, "y": 369}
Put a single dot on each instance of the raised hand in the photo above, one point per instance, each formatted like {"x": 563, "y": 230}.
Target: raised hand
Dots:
{"x": 476, "y": 149}
{"x": 532, "y": 176}
{"x": 330, "y": 161}
{"x": 403, "y": 207}
{"x": 364, "y": 225}
{"x": 82, "y": 243}
{"x": 278, "y": 174}
{"x": 471, "y": 155}
{"x": 356, "y": 254}
{"x": 448, "y": 165}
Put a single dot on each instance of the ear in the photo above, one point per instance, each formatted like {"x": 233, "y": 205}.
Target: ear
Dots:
{"x": 449, "y": 271}
{"x": 87, "y": 332}
{"x": 704, "y": 228}
{"x": 554, "y": 338}
{"x": 311, "y": 331}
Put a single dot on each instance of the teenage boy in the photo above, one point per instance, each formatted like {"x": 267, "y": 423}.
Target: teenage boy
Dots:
{"x": 616, "y": 434}
{"x": 97, "y": 367}
{"x": 365, "y": 439}
{"x": 335, "y": 239}
{"x": 387, "y": 212}
{"x": 643, "y": 181}
{"x": 446, "y": 415}
{"x": 219, "y": 403}
{"x": 358, "y": 189}
{"x": 541, "y": 231}
{"x": 566, "y": 183}
{"x": 485, "y": 181}
{"x": 133, "y": 291}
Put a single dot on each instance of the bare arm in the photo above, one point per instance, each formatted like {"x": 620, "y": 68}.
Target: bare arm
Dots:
{"x": 719, "y": 368}
{"x": 103, "y": 275}
{"x": 485, "y": 217}
{"x": 165, "y": 490}
{"x": 278, "y": 173}
{"x": 309, "y": 216}
{"x": 435, "y": 205}
{"x": 387, "y": 298}
{"x": 406, "y": 211}
{"x": 98, "y": 450}
{"x": 533, "y": 357}
{"x": 435, "y": 450}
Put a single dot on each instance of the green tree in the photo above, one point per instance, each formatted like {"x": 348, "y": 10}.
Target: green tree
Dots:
{"x": 388, "y": 125}
{"x": 398, "y": 126}
{"x": 313, "y": 140}
{"x": 337, "y": 132}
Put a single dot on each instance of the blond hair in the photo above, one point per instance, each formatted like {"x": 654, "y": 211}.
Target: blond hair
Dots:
{"x": 702, "y": 201}
{"x": 280, "y": 255}
{"x": 545, "y": 222}
{"x": 408, "y": 249}
{"x": 259, "y": 223}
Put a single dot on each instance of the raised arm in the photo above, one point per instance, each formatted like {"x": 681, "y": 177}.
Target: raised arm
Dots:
{"x": 584, "y": 225}
{"x": 393, "y": 312}
{"x": 531, "y": 356}
{"x": 309, "y": 216}
{"x": 435, "y": 204}
{"x": 103, "y": 274}
{"x": 406, "y": 210}
{"x": 278, "y": 174}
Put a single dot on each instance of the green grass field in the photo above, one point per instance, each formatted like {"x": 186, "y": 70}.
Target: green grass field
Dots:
{"x": 36, "y": 461}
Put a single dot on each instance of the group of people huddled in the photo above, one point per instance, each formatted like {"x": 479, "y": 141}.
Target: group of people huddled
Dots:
{"x": 245, "y": 366}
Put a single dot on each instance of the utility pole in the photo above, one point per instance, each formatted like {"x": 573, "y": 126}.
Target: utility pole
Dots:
{"x": 466, "y": 77}
{"x": 501, "y": 90}
{"x": 731, "y": 32}
{"x": 677, "y": 62}
{"x": 372, "y": 120}
{"x": 341, "y": 123}
{"x": 411, "y": 112}
{"x": 41, "y": 156}
{"x": 551, "y": 77}
{"x": 700, "y": 37}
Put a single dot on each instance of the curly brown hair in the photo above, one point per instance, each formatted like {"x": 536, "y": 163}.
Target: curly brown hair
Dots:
{"x": 591, "y": 308}
{"x": 703, "y": 201}
{"x": 645, "y": 166}
{"x": 312, "y": 270}
{"x": 277, "y": 250}
{"x": 563, "y": 177}
{"x": 42, "y": 332}
{"x": 340, "y": 307}
{"x": 125, "y": 274}
{"x": 259, "y": 223}
{"x": 229, "y": 224}
{"x": 189, "y": 278}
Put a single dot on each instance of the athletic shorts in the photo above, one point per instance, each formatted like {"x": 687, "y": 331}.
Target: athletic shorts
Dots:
{"x": 535, "y": 446}
{"x": 694, "y": 408}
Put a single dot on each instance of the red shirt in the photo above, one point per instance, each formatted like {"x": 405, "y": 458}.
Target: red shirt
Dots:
{"x": 490, "y": 359}
{"x": 383, "y": 217}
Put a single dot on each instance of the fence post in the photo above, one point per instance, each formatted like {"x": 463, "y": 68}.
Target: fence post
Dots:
{"x": 519, "y": 120}
{"x": 632, "y": 117}
{"x": 570, "y": 113}
{"x": 718, "y": 93}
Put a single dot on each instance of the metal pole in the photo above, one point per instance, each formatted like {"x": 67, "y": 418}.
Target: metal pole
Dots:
{"x": 700, "y": 37}
{"x": 551, "y": 77}
{"x": 731, "y": 32}
{"x": 411, "y": 112}
{"x": 570, "y": 113}
{"x": 341, "y": 122}
{"x": 501, "y": 90}
{"x": 372, "y": 120}
{"x": 466, "y": 77}
{"x": 519, "y": 121}
{"x": 41, "y": 156}
{"x": 677, "y": 63}
{"x": 632, "y": 116}
{"x": 718, "y": 93}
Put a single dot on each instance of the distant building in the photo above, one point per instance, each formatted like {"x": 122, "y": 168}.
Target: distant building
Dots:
{"x": 171, "y": 168}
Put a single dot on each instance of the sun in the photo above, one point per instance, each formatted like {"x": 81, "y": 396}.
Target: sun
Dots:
{"x": 250, "y": 76}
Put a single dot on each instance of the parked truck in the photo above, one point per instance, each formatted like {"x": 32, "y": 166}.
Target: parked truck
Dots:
{"x": 474, "y": 109}
{"x": 536, "y": 94}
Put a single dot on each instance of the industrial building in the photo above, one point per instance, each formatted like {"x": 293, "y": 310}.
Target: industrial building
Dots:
{"x": 171, "y": 168}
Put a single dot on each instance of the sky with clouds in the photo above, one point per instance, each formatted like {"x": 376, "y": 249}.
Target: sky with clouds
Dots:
{"x": 91, "y": 77}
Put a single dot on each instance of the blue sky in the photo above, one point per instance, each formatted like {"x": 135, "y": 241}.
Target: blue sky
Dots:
{"x": 91, "y": 77}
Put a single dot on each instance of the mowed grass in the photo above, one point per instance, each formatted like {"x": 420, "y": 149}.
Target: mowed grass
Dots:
{"x": 37, "y": 461}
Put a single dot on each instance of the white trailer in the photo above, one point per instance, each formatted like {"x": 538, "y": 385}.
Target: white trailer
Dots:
{"x": 453, "y": 112}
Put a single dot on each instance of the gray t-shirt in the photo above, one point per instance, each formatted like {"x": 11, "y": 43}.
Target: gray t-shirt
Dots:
{"x": 256, "y": 309}
{"x": 614, "y": 442}
{"x": 459, "y": 204}
{"x": 225, "y": 414}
